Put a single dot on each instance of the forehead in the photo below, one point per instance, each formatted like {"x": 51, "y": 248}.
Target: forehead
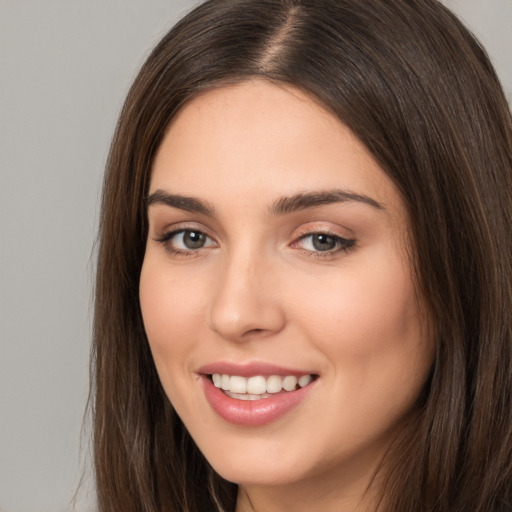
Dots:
{"x": 263, "y": 137}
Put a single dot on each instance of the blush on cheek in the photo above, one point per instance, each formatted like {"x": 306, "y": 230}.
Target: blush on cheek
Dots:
{"x": 169, "y": 309}
{"x": 366, "y": 314}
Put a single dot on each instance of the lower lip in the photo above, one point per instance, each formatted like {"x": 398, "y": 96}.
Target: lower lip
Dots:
{"x": 253, "y": 413}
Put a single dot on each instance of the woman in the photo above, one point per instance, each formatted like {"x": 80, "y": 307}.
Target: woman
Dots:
{"x": 304, "y": 278}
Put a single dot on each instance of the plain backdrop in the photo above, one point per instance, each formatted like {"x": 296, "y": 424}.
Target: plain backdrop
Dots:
{"x": 65, "y": 67}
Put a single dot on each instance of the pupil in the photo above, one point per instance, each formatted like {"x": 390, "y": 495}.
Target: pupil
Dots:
{"x": 324, "y": 242}
{"x": 193, "y": 239}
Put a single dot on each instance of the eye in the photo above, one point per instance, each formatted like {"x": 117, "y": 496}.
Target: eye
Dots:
{"x": 186, "y": 241}
{"x": 324, "y": 243}
{"x": 189, "y": 239}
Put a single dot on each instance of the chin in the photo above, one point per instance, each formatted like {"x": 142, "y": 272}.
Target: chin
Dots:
{"x": 258, "y": 476}
{"x": 253, "y": 463}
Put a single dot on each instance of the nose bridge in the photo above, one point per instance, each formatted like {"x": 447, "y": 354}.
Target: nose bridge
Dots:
{"x": 246, "y": 303}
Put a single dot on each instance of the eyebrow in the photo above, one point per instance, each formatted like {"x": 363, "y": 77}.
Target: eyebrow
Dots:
{"x": 189, "y": 204}
{"x": 303, "y": 201}
{"x": 283, "y": 206}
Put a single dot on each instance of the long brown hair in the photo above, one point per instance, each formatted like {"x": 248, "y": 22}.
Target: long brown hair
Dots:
{"x": 418, "y": 90}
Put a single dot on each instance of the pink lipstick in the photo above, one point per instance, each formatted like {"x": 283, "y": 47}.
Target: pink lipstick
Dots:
{"x": 254, "y": 394}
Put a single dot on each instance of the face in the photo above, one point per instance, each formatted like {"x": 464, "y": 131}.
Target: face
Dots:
{"x": 277, "y": 290}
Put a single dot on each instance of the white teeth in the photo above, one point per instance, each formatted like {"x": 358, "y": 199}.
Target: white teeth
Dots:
{"x": 304, "y": 380}
{"x": 224, "y": 382}
{"x": 274, "y": 384}
{"x": 247, "y": 396}
{"x": 217, "y": 380}
{"x": 254, "y": 388}
{"x": 290, "y": 382}
{"x": 256, "y": 385}
{"x": 237, "y": 384}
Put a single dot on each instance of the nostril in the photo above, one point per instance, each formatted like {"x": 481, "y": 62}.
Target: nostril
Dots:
{"x": 254, "y": 331}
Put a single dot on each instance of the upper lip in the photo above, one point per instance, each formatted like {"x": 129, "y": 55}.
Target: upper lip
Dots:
{"x": 250, "y": 369}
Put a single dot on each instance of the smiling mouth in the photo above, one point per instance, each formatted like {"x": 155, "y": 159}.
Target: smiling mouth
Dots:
{"x": 259, "y": 387}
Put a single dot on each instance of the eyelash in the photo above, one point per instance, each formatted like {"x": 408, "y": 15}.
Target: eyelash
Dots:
{"x": 341, "y": 244}
{"x": 166, "y": 240}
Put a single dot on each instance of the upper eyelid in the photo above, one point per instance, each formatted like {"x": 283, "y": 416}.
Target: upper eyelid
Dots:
{"x": 342, "y": 239}
{"x": 169, "y": 233}
{"x": 320, "y": 227}
{"x": 306, "y": 229}
{"x": 176, "y": 227}
{"x": 326, "y": 233}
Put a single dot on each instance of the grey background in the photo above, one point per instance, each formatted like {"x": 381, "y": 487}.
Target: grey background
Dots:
{"x": 65, "y": 67}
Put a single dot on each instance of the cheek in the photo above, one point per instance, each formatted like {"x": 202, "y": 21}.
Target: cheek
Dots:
{"x": 359, "y": 304}
{"x": 171, "y": 309}
{"x": 378, "y": 357}
{"x": 367, "y": 323}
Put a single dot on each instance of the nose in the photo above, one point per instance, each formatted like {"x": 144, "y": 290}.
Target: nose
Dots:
{"x": 246, "y": 302}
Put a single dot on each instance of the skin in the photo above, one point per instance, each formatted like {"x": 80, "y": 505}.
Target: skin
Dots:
{"x": 260, "y": 290}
